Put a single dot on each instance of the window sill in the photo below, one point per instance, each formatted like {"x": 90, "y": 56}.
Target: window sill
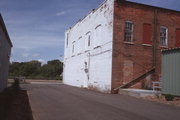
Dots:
{"x": 130, "y": 43}
{"x": 165, "y": 47}
{"x": 148, "y": 45}
{"x": 87, "y": 51}
{"x": 79, "y": 53}
{"x": 97, "y": 47}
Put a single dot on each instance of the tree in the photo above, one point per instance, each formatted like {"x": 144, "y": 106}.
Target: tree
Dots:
{"x": 34, "y": 69}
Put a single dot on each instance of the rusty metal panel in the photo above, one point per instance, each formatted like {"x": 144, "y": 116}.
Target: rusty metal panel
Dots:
{"x": 171, "y": 72}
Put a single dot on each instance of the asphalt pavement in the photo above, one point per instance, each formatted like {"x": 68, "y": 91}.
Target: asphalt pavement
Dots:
{"x": 62, "y": 102}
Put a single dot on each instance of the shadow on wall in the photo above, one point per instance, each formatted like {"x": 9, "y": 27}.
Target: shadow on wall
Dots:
{"x": 14, "y": 104}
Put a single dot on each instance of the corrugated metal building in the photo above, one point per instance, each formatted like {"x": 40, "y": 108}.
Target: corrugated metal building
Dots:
{"x": 171, "y": 72}
{"x": 5, "y": 53}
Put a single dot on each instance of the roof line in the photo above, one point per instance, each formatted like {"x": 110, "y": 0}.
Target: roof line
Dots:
{"x": 125, "y": 1}
{"x": 170, "y": 49}
{"x": 5, "y": 30}
{"x": 92, "y": 11}
{"x": 152, "y": 6}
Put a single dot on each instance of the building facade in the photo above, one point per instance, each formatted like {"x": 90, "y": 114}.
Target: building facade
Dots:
{"x": 5, "y": 52}
{"x": 119, "y": 45}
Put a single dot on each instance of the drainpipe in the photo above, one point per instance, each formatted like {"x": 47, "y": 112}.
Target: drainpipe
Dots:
{"x": 89, "y": 55}
{"x": 155, "y": 39}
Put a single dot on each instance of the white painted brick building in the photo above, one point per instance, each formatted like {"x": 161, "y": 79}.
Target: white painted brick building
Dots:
{"x": 88, "y": 50}
{"x": 119, "y": 45}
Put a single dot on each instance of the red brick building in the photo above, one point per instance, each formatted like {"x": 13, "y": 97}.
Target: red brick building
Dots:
{"x": 140, "y": 32}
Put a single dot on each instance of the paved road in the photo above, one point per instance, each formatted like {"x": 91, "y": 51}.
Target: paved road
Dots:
{"x": 62, "y": 102}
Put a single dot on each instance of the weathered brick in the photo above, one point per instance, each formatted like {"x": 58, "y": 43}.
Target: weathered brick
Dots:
{"x": 140, "y": 57}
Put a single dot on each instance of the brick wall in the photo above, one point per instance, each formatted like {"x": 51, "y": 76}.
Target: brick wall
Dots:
{"x": 131, "y": 60}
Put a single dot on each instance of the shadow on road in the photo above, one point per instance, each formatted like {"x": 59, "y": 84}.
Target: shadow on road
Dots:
{"x": 14, "y": 104}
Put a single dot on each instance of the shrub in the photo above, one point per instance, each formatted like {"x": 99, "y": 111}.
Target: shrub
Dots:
{"x": 169, "y": 97}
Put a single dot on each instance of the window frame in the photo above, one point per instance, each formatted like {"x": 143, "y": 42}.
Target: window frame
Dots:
{"x": 73, "y": 47}
{"x": 128, "y": 31}
{"x": 163, "y": 38}
{"x": 97, "y": 34}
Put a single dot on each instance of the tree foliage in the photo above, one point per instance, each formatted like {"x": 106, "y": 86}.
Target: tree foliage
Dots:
{"x": 35, "y": 70}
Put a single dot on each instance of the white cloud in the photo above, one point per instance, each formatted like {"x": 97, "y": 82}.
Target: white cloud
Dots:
{"x": 35, "y": 55}
{"x": 42, "y": 61}
{"x": 25, "y": 54}
{"x": 37, "y": 42}
{"x": 61, "y": 13}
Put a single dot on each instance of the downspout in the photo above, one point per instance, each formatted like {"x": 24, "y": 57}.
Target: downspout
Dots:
{"x": 155, "y": 40}
{"x": 89, "y": 55}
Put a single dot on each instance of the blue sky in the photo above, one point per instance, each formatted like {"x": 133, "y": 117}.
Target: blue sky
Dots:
{"x": 36, "y": 27}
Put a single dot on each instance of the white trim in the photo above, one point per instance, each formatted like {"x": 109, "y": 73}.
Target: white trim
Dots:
{"x": 166, "y": 40}
{"x": 149, "y": 45}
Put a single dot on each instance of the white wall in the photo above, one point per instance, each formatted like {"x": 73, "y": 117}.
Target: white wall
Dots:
{"x": 90, "y": 65}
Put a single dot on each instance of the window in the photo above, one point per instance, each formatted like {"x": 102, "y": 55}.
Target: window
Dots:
{"x": 67, "y": 40}
{"x": 178, "y": 37}
{"x": 147, "y": 33}
{"x": 73, "y": 47}
{"x": 79, "y": 45}
{"x": 98, "y": 36}
{"x": 128, "y": 37}
{"x": 163, "y": 36}
{"x": 89, "y": 40}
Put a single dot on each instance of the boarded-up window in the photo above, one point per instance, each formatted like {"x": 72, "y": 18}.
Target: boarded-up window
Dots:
{"x": 73, "y": 47}
{"x": 147, "y": 33}
{"x": 178, "y": 37}
{"x": 98, "y": 35}
{"x": 88, "y": 40}
{"x": 128, "y": 71}
{"x": 79, "y": 45}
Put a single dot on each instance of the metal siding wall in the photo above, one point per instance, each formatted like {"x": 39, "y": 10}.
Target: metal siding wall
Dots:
{"x": 5, "y": 50}
{"x": 170, "y": 72}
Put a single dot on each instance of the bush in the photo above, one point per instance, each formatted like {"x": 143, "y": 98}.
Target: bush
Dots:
{"x": 169, "y": 97}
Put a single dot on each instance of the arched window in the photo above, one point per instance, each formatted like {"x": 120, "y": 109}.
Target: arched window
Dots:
{"x": 88, "y": 40}
{"x": 98, "y": 35}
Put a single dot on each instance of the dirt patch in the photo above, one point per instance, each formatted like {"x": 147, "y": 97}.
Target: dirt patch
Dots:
{"x": 14, "y": 104}
{"x": 161, "y": 99}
